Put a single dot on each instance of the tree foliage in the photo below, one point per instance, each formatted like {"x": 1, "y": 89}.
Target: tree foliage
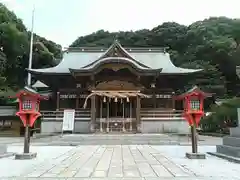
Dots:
{"x": 211, "y": 44}
{"x": 14, "y": 51}
{"x": 223, "y": 116}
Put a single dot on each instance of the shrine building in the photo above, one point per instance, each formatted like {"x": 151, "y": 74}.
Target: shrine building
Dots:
{"x": 118, "y": 89}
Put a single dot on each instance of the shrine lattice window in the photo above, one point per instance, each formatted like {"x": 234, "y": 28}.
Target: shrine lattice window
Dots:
{"x": 195, "y": 104}
{"x": 27, "y": 105}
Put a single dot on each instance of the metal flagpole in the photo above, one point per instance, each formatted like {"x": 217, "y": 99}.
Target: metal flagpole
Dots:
{"x": 31, "y": 48}
{"x": 27, "y": 129}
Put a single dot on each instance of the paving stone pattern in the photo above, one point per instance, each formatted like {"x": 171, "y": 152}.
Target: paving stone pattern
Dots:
{"x": 109, "y": 162}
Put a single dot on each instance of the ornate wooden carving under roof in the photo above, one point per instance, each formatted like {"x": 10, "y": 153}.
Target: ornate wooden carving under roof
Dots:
{"x": 116, "y": 85}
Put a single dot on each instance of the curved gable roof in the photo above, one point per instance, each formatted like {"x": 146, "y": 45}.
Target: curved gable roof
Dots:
{"x": 122, "y": 60}
{"x": 160, "y": 60}
{"x": 118, "y": 46}
{"x": 143, "y": 58}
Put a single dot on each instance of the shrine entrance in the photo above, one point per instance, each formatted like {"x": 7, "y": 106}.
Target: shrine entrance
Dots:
{"x": 115, "y": 106}
{"x": 116, "y": 115}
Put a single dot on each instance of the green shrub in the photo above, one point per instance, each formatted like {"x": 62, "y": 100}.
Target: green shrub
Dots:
{"x": 223, "y": 116}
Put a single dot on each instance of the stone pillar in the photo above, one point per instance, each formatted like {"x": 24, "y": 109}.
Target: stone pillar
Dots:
{"x": 138, "y": 116}
{"x": 93, "y": 113}
{"x": 238, "y": 120}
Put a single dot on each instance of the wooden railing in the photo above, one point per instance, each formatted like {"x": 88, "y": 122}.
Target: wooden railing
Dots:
{"x": 8, "y": 110}
{"x": 79, "y": 114}
{"x": 145, "y": 113}
{"x": 157, "y": 113}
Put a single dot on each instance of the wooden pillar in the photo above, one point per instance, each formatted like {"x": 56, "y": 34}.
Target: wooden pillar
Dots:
{"x": 123, "y": 122}
{"x": 107, "y": 115}
{"x": 153, "y": 87}
{"x": 130, "y": 106}
{"x": 58, "y": 101}
{"x": 173, "y": 100}
{"x": 93, "y": 106}
{"x": 154, "y": 98}
{"x": 77, "y": 101}
{"x": 93, "y": 113}
{"x": 101, "y": 115}
{"x": 138, "y": 116}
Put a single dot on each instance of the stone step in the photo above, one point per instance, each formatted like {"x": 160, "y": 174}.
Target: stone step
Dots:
{"x": 3, "y": 149}
{"x": 231, "y": 141}
{"x": 115, "y": 139}
{"x": 228, "y": 150}
{"x": 75, "y": 143}
{"x": 235, "y": 132}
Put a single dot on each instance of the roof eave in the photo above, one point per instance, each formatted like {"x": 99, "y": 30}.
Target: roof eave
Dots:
{"x": 37, "y": 72}
{"x": 135, "y": 67}
{"x": 184, "y": 72}
{"x": 92, "y": 69}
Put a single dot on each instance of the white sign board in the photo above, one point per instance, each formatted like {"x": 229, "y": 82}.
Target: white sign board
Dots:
{"x": 68, "y": 120}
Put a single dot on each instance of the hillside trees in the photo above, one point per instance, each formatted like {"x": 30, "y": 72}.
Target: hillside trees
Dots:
{"x": 14, "y": 50}
{"x": 211, "y": 44}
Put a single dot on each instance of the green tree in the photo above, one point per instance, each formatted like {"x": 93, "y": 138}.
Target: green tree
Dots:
{"x": 213, "y": 43}
{"x": 15, "y": 45}
{"x": 14, "y": 52}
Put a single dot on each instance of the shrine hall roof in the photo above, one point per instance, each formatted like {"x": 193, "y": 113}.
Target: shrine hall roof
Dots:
{"x": 142, "y": 58}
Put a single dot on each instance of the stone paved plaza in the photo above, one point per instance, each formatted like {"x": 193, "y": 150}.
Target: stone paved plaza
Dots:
{"x": 117, "y": 162}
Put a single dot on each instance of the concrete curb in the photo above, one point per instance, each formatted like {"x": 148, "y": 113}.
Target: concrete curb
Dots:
{"x": 39, "y": 136}
{"x": 223, "y": 156}
{"x": 7, "y": 155}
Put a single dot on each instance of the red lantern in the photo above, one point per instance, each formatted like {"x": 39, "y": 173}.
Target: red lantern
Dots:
{"x": 193, "y": 104}
{"x": 29, "y": 101}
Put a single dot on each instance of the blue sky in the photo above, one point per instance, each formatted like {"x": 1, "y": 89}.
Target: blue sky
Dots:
{"x": 63, "y": 21}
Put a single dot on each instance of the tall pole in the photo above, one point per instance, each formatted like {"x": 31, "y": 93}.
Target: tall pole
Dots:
{"x": 26, "y": 137}
{"x": 194, "y": 135}
{"x": 27, "y": 130}
{"x": 31, "y": 48}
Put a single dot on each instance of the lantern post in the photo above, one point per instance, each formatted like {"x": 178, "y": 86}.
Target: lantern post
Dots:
{"x": 193, "y": 111}
{"x": 29, "y": 101}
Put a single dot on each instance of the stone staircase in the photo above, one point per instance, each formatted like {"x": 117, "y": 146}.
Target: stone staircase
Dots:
{"x": 3, "y": 152}
{"x": 231, "y": 144}
{"x": 3, "y": 149}
{"x": 230, "y": 149}
{"x": 116, "y": 139}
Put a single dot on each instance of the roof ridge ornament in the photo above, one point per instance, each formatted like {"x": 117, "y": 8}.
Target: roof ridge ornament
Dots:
{"x": 116, "y": 39}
